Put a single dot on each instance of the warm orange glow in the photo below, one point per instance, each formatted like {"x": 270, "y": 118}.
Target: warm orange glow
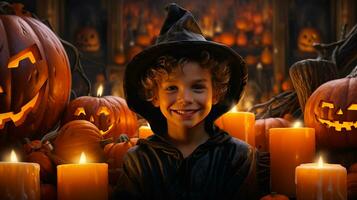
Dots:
{"x": 328, "y": 105}
{"x": 352, "y": 107}
{"x": 100, "y": 90}
{"x": 103, "y": 110}
{"x": 1, "y": 90}
{"x": 31, "y": 53}
{"x": 13, "y": 157}
{"x": 19, "y": 117}
{"x": 297, "y": 124}
{"x": 105, "y": 132}
{"x": 79, "y": 110}
{"x": 83, "y": 158}
{"x": 321, "y": 162}
{"x": 234, "y": 109}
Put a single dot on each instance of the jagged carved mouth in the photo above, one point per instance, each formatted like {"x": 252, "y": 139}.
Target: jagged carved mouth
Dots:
{"x": 18, "y": 118}
{"x": 105, "y": 132}
{"x": 338, "y": 125}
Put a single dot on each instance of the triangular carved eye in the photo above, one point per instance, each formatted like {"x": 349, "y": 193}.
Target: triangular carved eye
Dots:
{"x": 79, "y": 111}
{"x": 352, "y": 107}
{"x": 1, "y": 90}
{"x": 32, "y": 53}
{"x": 326, "y": 104}
{"x": 103, "y": 110}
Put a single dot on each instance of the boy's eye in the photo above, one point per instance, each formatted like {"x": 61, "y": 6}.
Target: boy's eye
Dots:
{"x": 171, "y": 88}
{"x": 198, "y": 88}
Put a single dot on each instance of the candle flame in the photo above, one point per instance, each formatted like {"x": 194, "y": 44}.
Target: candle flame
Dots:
{"x": 100, "y": 90}
{"x": 83, "y": 158}
{"x": 297, "y": 124}
{"x": 321, "y": 162}
{"x": 13, "y": 157}
{"x": 234, "y": 109}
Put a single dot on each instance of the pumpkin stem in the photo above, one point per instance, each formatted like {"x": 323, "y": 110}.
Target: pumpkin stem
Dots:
{"x": 353, "y": 74}
{"x": 6, "y": 8}
{"x": 123, "y": 138}
{"x": 106, "y": 141}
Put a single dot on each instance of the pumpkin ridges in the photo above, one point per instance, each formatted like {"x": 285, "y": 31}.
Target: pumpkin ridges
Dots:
{"x": 79, "y": 136}
{"x": 341, "y": 93}
{"x": 58, "y": 94}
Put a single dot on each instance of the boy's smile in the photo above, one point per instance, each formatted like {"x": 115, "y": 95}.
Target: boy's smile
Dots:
{"x": 185, "y": 96}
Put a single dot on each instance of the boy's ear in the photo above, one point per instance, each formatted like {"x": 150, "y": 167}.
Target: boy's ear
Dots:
{"x": 214, "y": 100}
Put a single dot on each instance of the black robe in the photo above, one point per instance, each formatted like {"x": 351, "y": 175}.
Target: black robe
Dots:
{"x": 221, "y": 168}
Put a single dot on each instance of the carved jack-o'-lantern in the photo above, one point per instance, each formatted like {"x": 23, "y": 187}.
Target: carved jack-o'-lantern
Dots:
{"x": 87, "y": 39}
{"x": 35, "y": 78}
{"x": 308, "y": 36}
{"x": 332, "y": 111}
{"x": 109, "y": 113}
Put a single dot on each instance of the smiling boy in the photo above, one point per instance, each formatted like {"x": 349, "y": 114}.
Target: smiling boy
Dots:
{"x": 181, "y": 85}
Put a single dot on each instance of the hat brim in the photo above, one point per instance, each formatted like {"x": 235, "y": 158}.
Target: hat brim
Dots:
{"x": 148, "y": 57}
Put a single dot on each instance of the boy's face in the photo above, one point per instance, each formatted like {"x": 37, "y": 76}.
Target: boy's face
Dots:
{"x": 185, "y": 98}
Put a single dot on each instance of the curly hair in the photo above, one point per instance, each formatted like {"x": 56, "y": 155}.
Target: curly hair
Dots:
{"x": 165, "y": 65}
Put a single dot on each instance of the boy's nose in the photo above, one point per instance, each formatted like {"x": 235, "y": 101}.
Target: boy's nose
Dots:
{"x": 185, "y": 97}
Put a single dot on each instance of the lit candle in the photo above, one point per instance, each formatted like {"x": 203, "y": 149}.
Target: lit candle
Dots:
{"x": 82, "y": 181}
{"x": 321, "y": 181}
{"x": 289, "y": 147}
{"x": 239, "y": 125}
{"x": 19, "y": 180}
{"x": 145, "y": 131}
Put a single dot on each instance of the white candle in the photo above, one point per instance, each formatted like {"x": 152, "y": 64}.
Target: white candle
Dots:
{"x": 19, "y": 180}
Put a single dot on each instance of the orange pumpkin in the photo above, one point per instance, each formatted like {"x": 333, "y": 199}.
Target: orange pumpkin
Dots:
{"x": 307, "y": 36}
{"x": 76, "y": 137}
{"x": 87, "y": 39}
{"x": 332, "y": 111}
{"x": 35, "y": 78}
{"x": 47, "y": 168}
{"x": 262, "y": 127}
{"x": 274, "y": 196}
{"x": 109, "y": 113}
{"x": 115, "y": 153}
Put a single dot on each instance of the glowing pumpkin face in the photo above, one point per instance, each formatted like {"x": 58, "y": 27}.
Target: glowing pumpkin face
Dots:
{"x": 308, "y": 36}
{"x": 35, "y": 78}
{"x": 332, "y": 111}
{"x": 109, "y": 113}
{"x": 87, "y": 39}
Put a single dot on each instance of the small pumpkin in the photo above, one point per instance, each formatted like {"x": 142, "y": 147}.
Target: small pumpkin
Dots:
{"x": 274, "y": 196}
{"x": 87, "y": 39}
{"x": 262, "y": 127}
{"x": 109, "y": 113}
{"x": 115, "y": 152}
{"x": 76, "y": 137}
{"x": 307, "y": 36}
{"x": 332, "y": 111}
{"x": 47, "y": 168}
